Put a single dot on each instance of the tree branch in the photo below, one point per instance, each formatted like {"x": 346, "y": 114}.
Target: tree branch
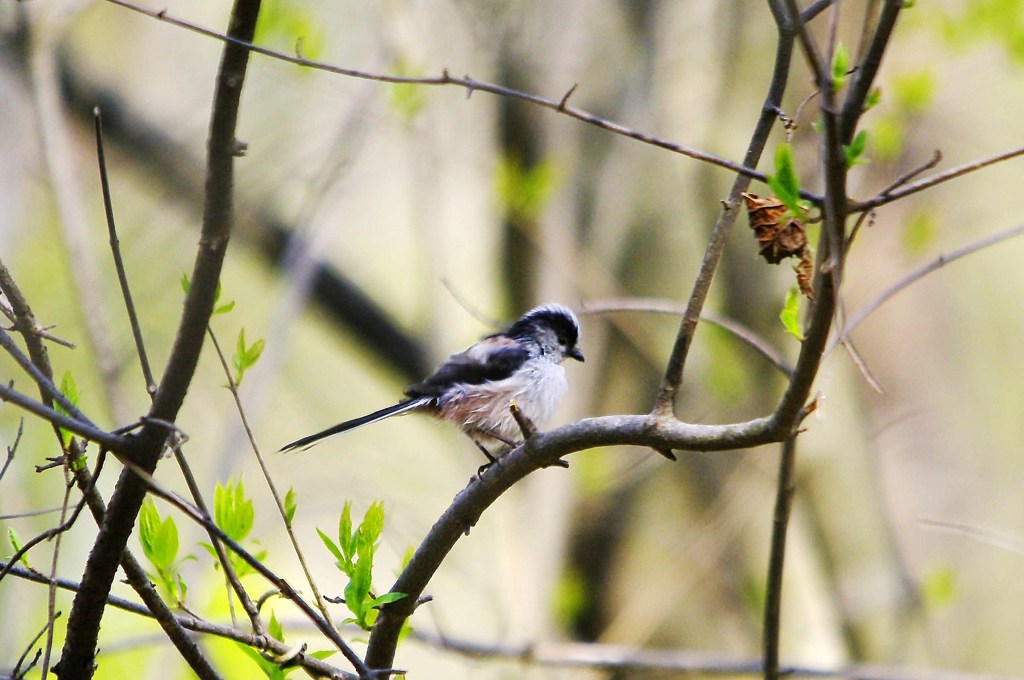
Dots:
{"x": 83, "y": 624}
{"x": 558, "y": 105}
{"x": 785, "y": 488}
{"x": 195, "y": 624}
{"x": 543, "y": 450}
{"x": 665, "y": 400}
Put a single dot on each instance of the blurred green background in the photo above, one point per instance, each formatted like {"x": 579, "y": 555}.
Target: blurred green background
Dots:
{"x": 425, "y": 215}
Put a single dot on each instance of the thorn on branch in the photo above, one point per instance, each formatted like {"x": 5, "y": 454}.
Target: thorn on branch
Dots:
{"x": 667, "y": 453}
{"x": 565, "y": 98}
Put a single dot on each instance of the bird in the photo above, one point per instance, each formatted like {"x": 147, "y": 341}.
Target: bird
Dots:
{"x": 477, "y": 389}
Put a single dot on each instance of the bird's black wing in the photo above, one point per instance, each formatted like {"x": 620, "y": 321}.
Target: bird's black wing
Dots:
{"x": 490, "y": 360}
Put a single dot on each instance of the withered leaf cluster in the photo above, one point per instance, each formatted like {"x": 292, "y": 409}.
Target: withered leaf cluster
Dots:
{"x": 780, "y": 235}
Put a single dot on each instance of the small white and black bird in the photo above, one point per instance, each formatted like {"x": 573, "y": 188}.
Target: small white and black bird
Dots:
{"x": 476, "y": 388}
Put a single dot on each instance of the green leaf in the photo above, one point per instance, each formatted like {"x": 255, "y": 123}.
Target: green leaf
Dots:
{"x": 289, "y": 506}
{"x": 524, "y": 192}
{"x": 387, "y": 598}
{"x": 940, "y": 586}
{"x": 342, "y": 561}
{"x": 270, "y": 669}
{"x": 284, "y": 22}
{"x": 245, "y": 356}
{"x": 840, "y": 67}
{"x": 373, "y": 525}
{"x": 915, "y": 91}
{"x": 186, "y": 286}
{"x": 232, "y": 511}
{"x": 873, "y": 99}
{"x": 854, "y": 151}
{"x": 69, "y": 388}
{"x": 274, "y": 628}
{"x": 784, "y": 183}
{"x": 159, "y": 537}
{"x": 16, "y": 543}
{"x": 410, "y": 551}
{"x": 790, "y": 314}
{"x": 323, "y": 654}
{"x": 346, "y": 541}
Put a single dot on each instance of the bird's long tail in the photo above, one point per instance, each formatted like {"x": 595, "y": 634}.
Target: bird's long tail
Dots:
{"x": 397, "y": 409}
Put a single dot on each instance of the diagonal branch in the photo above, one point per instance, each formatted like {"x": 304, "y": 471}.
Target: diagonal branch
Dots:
{"x": 895, "y": 193}
{"x": 665, "y": 400}
{"x": 919, "y": 273}
{"x": 544, "y": 449}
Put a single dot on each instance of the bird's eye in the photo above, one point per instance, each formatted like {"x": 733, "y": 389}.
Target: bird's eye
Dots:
{"x": 562, "y": 340}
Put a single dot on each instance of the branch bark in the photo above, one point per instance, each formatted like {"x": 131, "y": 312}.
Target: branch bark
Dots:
{"x": 79, "y": 654}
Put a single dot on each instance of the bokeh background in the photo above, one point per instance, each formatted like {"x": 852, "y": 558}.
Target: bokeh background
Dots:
{"x": 382, "y": 227}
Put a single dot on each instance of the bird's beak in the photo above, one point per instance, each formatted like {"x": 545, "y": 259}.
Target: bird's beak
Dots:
{"x": 576, "y": 354}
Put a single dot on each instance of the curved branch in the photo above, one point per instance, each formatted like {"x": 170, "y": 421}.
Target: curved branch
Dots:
{"x": 544, "y": 450}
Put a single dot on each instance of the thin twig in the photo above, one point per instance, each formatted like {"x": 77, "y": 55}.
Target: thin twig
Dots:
{"x": 204, "y": 520}
{"x": 609, "y": 658}
{"x": 73, "y": 456}
{"x": 25, "y": 323}
{"x": 18, "y": 672}
{"x": 42, "y": 380}
{"x": 78, "y": 657}
{"x": 195, "y": 624}
{"x": 662, "y": 306}
{"x": 115, "y": 251}
{"x": 55, "y": 134}
{"x": 64, "y": 525}
{"x": 471, "y": 85}
{"x": 233, "y": 387}
{"x": 12, "y": 448}
{"x": 929, "y": 182}
{"x": 114, "y": 443}
{"x": 867, "y": 70}
{"x": 919, "y": 273}
{"x": 912, "y": 173}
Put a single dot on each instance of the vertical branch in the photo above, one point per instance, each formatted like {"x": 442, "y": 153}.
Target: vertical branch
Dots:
{"x": 79, "y": 653}
{"x": 773, "y": 589}
{"x": 867, "y": 69}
